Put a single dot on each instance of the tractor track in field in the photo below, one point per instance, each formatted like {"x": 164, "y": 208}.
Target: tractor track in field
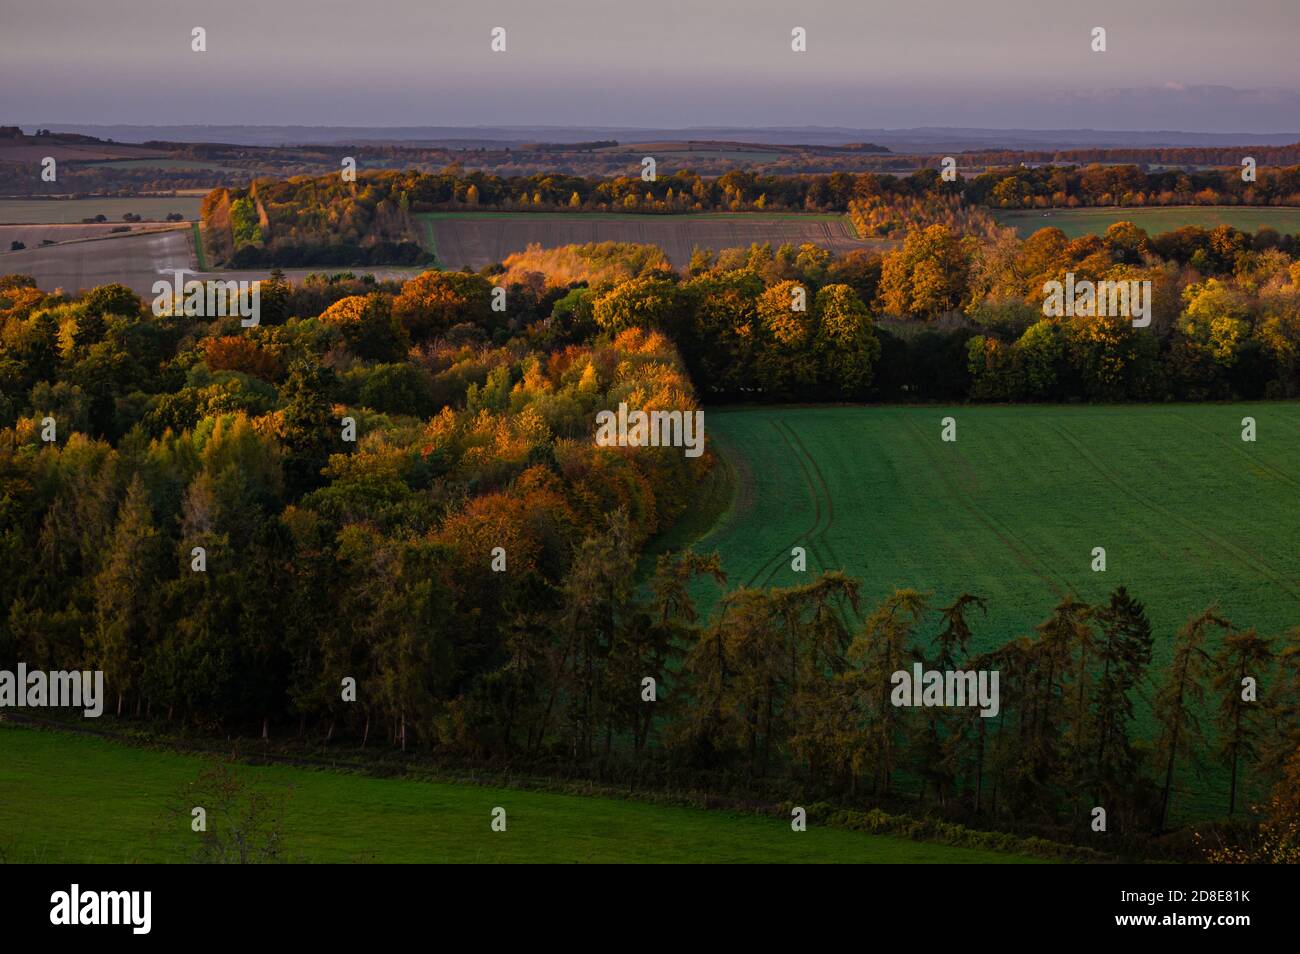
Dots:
{"x": 813, "y": 535}
{"x": 771, "y": 565}
{"x": 830, "y": 517}
{"x": 1209, "y": 536}
{"x": 1017, "y": 548}
{"x": 1262, "y": 465}
{"x": 826, "y": 494}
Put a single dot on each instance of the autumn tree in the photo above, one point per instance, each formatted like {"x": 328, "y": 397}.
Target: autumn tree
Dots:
{"x": 845, "y": 345}
{"x": 431, "y": 303}
{"x": 928, "y": 276}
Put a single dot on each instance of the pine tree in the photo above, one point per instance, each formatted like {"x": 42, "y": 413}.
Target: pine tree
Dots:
{"x": 880, "y": 650}
{"x": 1285, "y": 738}
{"x": 1240, "y": 718}
{"x": 1177, "y": 701}
{"x": 1123, "y": 653}
{"x": 937, "y": 743}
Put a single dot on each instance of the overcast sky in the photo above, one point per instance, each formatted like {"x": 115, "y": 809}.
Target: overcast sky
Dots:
{"x": 1199, "y": 65}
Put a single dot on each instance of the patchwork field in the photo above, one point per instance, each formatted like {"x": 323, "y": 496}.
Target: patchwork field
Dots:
{"x": 70, "y": 798}
{"x": 482, "y": 238}
{"x": 72, "y": 211}
{"x": 1077, "y": 222}
{"x": 1188, "y": 514}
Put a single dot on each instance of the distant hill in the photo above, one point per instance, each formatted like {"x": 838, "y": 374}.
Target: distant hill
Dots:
{"x": 922, "y": 139}
{"x": 16, "y": 146}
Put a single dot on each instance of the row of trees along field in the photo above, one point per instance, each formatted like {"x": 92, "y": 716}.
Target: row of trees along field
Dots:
{"x": 942, "y": 318}
{"x": 323, "y": 559}
{"x": 949, "y": 318}
{"x": 326, "y": 220}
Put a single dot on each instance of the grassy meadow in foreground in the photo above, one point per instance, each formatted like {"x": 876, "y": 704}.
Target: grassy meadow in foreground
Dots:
{"x": 72, "y": 798}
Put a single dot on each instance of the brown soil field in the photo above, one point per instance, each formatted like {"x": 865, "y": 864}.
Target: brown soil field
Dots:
{"x": 136, "y": 261}
{"x": 28, "y": 151}
{"x": 33, "y": 235}
{"x": 482, "y": 240}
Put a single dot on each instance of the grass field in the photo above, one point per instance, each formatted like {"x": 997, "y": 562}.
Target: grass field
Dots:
{"x": 72, "y": 798}
{"x": 1077, "y": 222}
{"x": 1188, "y": 514}
{"x": 482, "y": 238}
{"x": 55, "y": 211}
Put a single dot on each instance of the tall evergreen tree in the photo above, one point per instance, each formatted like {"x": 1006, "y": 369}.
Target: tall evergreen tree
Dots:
{"x": 1241, "y": 714}
{"x": 1123, "y": 653}
{"x": 882, "y": 648}
{"x": 1178, "y": 700}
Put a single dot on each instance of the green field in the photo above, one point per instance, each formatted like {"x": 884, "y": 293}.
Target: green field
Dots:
{"x": 1077, "y": 222}
{"x": 1188, "y": 514}
{"x": 69, "y": 211}
{"x": 72, "y": 798}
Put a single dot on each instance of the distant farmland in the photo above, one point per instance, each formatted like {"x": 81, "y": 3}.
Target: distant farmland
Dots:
{"x": 136, "y": 260}
{"x": 163, "y": 162}
{"x": 477, "y": 239}
{"x": 1078, "y": 222}
{"x": 71, "y": 211}
{"x": 34, "y": 235}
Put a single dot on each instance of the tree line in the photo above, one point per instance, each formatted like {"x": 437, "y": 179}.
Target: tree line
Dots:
{"x": 949, "y": 318}
{"x": 313, "y": 213}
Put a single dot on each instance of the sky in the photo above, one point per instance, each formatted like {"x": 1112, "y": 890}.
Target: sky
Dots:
{"x": 1196, "y": 65}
